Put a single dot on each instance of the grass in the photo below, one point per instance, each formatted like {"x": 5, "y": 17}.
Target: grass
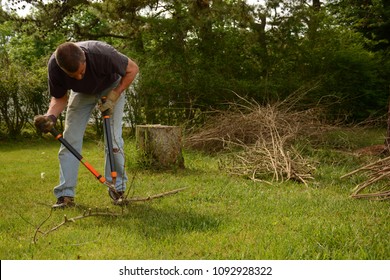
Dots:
{"x": 217, "y": 217}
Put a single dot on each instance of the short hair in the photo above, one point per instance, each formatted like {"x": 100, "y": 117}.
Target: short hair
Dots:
{"x": 69, "y": 56}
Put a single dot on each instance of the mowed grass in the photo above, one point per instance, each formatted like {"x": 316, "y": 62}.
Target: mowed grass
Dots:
{"x": 217, "y": 217}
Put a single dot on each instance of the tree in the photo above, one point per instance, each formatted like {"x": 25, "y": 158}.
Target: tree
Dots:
{"x": 371, "y": 18}
{"x": 195, "y": 54}
{"x": 23, "y": 84}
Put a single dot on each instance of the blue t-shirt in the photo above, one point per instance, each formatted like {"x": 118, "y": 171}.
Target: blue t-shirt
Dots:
{"x": 104, "y": 65}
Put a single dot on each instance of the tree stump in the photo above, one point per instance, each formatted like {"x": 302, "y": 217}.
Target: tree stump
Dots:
{"x": 159, "y": 146}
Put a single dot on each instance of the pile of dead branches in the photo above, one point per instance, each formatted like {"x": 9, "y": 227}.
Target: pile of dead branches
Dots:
{"x": 269, "y": 161}
{"x": 261, "y": 139}
{"x": 246, "y": 123}
{"x": 376, "y": 185}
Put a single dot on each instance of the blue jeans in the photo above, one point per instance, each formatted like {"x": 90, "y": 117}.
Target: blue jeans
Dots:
{"x": 80, "y": 107}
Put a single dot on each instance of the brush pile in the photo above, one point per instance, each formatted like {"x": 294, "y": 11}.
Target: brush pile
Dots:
{"x": 376, "y": 182}
{"x": 260, "y": 140}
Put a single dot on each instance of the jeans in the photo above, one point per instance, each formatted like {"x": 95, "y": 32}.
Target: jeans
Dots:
{"x": 80, "y": 107}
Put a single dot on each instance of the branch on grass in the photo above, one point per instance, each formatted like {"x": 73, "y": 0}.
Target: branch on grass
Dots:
{"x": 375, "y": 172}
{"x": 371, "y": 166}
{"x": 377, "y": 195}
{"x": 91, "y": 213}
{"x": 67, "y": 220}
{"x": 148, "y": 198}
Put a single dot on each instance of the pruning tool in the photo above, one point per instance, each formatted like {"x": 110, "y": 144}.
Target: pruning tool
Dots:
{"x": 107, "y": 132}
{"x": 102, "y": 179}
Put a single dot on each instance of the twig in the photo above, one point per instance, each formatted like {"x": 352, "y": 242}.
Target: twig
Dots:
{"x": 40, "y": 225}
{"x": 90, "y": 213}
{"x": 147, "y": 198}
{"x": 375, "y": 171}
{"x": 140, "y": 199}
{"x": 71, "y": 220}
{"x": 366, "y": 167}
{"x": 378, "y": 195}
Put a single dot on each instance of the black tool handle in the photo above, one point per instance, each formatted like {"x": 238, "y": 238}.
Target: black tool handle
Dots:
{"x": 59, "y": 137}
{"x": 107, "y": 130}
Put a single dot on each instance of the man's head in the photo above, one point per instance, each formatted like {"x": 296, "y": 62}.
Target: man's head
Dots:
{"x": 71, "y": 59}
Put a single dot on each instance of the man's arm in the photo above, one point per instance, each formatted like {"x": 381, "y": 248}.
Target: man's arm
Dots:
{"x": 47, "y": 122}
{"x": 57, "y": 105}
{"x": 128, "y": 78}
{"x": 124, "y": 83}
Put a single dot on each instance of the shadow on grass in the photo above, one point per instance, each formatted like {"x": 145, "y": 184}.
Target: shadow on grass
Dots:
{"x": 139, "y": 171}
{"x": 157, "y": 223}
{"x": 144, "y": 219}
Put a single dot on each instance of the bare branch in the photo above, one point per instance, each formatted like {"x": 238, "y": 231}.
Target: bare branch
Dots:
{"x": 95, "y": 213}
{"x": 376, "y": 172}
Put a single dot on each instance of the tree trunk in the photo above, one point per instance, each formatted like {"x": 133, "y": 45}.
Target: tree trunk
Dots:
{"x": 316, "y": 5}
{"x": 159, "y": 146}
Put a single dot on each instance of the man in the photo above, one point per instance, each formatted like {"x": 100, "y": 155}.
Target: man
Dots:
{"x": 89, "y": 70}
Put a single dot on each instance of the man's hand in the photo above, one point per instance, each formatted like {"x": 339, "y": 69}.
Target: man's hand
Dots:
{"x": 109, "y": 103}
{"x": 44, "y": 123}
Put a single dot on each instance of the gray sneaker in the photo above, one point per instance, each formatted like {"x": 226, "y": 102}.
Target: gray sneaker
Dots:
{"x": 63, "y": 202}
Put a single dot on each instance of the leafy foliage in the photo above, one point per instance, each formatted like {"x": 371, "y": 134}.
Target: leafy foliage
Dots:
{"x": 196, "y": 55}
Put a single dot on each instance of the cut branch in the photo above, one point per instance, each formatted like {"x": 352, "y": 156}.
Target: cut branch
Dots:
{"x": 148, "y": 198}
{"x": 376, "y": 172}
{"x": 95, "y": 213}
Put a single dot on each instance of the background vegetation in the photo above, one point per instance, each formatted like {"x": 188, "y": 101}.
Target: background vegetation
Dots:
{"x": 198, "y": 55}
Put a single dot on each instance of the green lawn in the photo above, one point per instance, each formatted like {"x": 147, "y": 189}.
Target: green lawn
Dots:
{"x": 217, "y": 217}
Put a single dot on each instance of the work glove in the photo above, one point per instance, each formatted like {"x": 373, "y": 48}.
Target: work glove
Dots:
{"x": 45, "y": 123}
{"x": 108, "y": 103}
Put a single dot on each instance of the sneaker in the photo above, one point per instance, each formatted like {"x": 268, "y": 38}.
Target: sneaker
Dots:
{"x": 63, "y": 202}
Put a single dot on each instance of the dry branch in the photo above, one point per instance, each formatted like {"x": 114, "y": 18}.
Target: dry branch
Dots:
{"x": 95, "y": 213}
{"x": 142, "y": 199}
{"x": 260, "y": 139}
{"x": 376, "y": 173}
{"x": 67, "y": 220}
